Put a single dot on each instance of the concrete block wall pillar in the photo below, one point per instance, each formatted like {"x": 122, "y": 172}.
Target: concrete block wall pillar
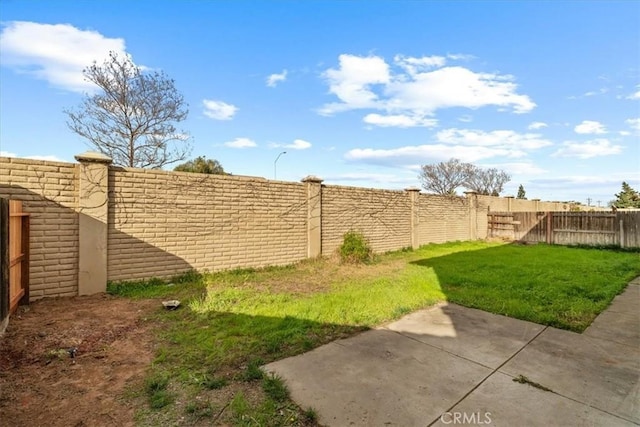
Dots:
{"x": 93, "y": 208}
{"x": 509, "y": 203}
{"x": 314, "y": 215}
{"x": 414, "y": 193}
{"x": 472, "y": 200}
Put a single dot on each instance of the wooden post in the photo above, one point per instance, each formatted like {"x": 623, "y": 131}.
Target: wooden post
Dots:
{"x": 25, "y": 260}
{"x": 550, "y": 228}
{"x": 622, "y": 242}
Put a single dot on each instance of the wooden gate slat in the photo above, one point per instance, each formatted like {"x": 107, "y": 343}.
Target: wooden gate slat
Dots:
{"x": 18, "y": 255}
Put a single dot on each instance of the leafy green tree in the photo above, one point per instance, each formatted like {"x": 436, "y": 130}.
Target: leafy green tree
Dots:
{"x": 627, "y": 198}
{"x": 131, "y": 117}
{"x": 202, "y": 165}
{"x": 521, "y": 193}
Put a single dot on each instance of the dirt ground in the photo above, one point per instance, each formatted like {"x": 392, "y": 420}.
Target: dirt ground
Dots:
{"x": 41, "y": 384}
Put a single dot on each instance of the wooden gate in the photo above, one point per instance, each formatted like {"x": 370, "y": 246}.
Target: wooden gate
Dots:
{"x": 18, "y": 255}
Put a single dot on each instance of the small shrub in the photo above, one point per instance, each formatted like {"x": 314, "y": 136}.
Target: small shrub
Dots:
{"x": 355, "y": 248}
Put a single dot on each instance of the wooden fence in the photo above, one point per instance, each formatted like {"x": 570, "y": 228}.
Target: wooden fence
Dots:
{"x": 4, "y": 264}
{"x": 620, "y": 228}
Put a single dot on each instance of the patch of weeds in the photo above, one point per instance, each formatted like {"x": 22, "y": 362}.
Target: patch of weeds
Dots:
{"x": 310, "y": 415}
{"x": 524, "y": 380}
{"x": 199, "y": 409}
{"x": 59, "y": 354}
{"x": 215, "y": 383}
{"x": 156, "y": 390}
{"x": 307, "y": 344}
{"x": 275, "y": 388}
{"x": 401, "y": 311}
{"x": 157, "y": 287}
{"x": 239, "y": 406}
{"x": 253, "y": 371}
{"x": 355, "y": 248}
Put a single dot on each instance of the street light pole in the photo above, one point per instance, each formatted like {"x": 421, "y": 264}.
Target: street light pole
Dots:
{"x": 275, "y": 164}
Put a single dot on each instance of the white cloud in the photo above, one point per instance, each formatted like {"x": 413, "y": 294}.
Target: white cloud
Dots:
{"x": 590, "y": 127}
{"x": 218, "y": 110}
{"x": 298, "y": 144}
{"x": 425, "y": 153}
{"x": 56, "y": 53}
{"x": 586, "y": 150}
{"x": 635, "y": 95}
{"x": 274, "y": 79}
{"x": 50, "y": 158}
{"x": 460, "y": 57}
{"x": 634, "y": 124}
{"x": 399, "y": 120}
{"x": 504, "y": 139}
{"x": 414, "y": 66}
{"x": 386, "y": 179}
{"x": 467, "y": 145}
{"x": 537, "y": 125}
{"x": 352, "y": 81}
{"x": 521, "y": 168}
{"x": 466, "y": 118}
{"x": 241, "y": 143}
{"x": 417, "y": 87}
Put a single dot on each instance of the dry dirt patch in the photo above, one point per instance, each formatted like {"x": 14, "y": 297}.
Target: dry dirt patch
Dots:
{"x": 41, "y": 384}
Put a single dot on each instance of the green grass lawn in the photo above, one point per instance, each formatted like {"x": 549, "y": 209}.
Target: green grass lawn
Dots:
{"x": 231, "y": 322}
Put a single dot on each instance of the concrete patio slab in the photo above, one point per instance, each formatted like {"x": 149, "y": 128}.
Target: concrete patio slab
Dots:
{"x": 500, "y": 401}
{"x": 619, "y": 327}
{"x": 627, "y": 302}
{"x": 476, "y": 335}
{"x": 599, "y": 373}
{"x": 450, "y": 359}
{"x": 378, "y": 378}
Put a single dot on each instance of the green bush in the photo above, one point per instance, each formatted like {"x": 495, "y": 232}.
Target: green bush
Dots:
{"x": 355, "y": 248}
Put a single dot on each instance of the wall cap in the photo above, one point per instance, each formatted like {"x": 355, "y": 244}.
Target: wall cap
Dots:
{"x": 313, "y": 179}
{"x": 93, "y": 157}
{"x": 412, "y": 189}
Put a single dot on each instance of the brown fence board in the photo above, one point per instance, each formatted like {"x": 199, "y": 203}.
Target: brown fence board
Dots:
{"x": 4, "y": 263}
{"x": 568, "y": 228}
{"x": 18, "y": 255}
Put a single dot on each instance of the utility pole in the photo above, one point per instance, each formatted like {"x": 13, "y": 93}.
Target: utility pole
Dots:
{"x": 588, "y": 201}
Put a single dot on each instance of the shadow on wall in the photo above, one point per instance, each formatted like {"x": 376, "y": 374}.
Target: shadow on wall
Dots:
{"x": 54, "y": 245}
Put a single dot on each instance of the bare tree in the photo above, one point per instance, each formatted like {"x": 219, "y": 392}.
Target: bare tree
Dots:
{"x": 486, "y": 181}
{"x": 444, "y": 177}
{"x": 131, "y": 118}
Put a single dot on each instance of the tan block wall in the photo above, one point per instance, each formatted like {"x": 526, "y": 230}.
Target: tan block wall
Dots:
{"x": 442, "y": 219}
{"x": 48, "y": 191}
{"x": 504, "y": 204}
{"x": 383, "y": 216}
{"x": 163, "y": 223}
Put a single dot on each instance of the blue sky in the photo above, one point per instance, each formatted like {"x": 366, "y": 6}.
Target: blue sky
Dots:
{"x": 357, "y": 92}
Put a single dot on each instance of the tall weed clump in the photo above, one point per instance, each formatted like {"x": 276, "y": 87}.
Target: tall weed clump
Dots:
{"x": 355, "y": 248}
